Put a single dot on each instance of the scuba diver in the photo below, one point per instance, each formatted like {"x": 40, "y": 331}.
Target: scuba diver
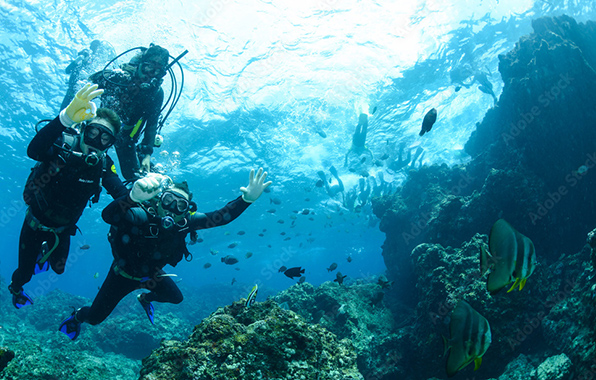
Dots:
{"x": 72, "y": 168}
{"x": 148, "y": 230}
{"x": 87, "y": 62}
{"x": 134, "y": 91}
{"x": 332, "y": 190}
{"x": 359, "y": 158}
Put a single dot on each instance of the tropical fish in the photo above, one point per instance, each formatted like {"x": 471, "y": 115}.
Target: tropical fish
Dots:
{"x": 227, "y": 233}
{"x": 248, "y": 255}
{"x": 294, "y": 272}
{"x": 271, "y": 211}
{"x": 302, "y": 279}
{"x": 234, "y": 280}
{"x": 199, "y": 240}
{"x": 84, "y": 247}
{"x": 305, "y": 211}
{"x": 207, "y": 265}
{"x": 281, "y": 221}
{"x": 229, "y": 259}
{"x": 469, "y": 340}
{"x": 282, "y": 269}
{"x": 241, "y": 232}
{"x": 349, "y": 258}
{"x": 339, "y": 278}
{"x": 512, "y": 258}
{"x": 275, "y": 201}
{"x": 96, "y": 275}
{"x": 288, "y": 238}
{"x": 319, "y": 183}
{"x": 252, "y": 296}
{"x": 332, "y": 267}
{"x": 261, "y": 234}
{"x": 428, "y": 121}
{"x": 233, "y": 245}
{"x": 213, "y": 251}
{"x": 384, "y": 282}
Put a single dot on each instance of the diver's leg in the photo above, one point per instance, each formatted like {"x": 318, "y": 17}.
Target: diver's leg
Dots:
{"x": 29, "y": 245}
{"x": 165, "y": 290}
{"x": 59, "y": 256}
{"x": 113, "y": 289}
{"x": 127, "y": 155}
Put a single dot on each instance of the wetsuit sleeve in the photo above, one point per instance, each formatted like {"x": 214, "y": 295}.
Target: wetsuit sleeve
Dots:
{"x": 146, "y": 146}
{"x": 111, "y": 182}
{"x": 41, "y": 146}
{"x": 223, "y": 216}
{"x": 124, "y": 209}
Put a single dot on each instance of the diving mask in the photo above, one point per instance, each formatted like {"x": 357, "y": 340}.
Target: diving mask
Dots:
{"x": 98, "y": 136}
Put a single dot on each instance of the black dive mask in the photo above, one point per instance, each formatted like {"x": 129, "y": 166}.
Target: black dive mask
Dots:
{"x": 98, "y": 136}
{"x": 174, "y": 203}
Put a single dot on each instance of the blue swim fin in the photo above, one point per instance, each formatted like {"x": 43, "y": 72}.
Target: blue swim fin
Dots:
{"x": 20, "y": 298}
{"x": 42, "y": 264}
{"x": 147, "y": 306}
{"x": 71, "y": 327}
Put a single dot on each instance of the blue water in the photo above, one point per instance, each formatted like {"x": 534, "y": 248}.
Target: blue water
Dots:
{"x": 261, "y": 78}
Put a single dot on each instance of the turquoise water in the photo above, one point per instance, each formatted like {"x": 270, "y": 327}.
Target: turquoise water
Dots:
{"x": 262, "y": 80}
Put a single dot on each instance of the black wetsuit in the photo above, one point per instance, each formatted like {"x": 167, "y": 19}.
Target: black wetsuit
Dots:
{"x": 133, "y": 102}
{"x": 141, "y": 248}
{"x": 57, "y": 192}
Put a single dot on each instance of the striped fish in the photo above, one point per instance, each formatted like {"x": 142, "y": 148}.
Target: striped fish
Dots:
{"x": 470, "y": 338}
{"x": 512, "y": 258}
{"x": 252, "y": 296}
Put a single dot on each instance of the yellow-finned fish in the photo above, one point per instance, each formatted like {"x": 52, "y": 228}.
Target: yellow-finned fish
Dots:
{"x": 469, "y": 340}
{"x": 512, "y": 258}
{"x": 252, "y": 296}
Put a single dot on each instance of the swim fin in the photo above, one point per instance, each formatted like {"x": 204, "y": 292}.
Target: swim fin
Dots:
{"x": 147, "y": 306}
{"x": 42, "y": 264}
{"x": 71, "y": 327}
{"x": 20, "y": 298}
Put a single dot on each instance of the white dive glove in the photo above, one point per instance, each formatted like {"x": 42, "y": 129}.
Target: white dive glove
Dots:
{"x": 255, "y": 187}
{"x": 81, "y": 108}
{"x": 147, "y": 187}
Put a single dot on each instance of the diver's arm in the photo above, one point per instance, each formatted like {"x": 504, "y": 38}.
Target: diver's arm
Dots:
{"x": 146, "y": 145}
{"x": 111, "y": 182}
{"x": 223, "y": 216}
{"x": 41, "y": 146}
{"x": 124, "y": 209}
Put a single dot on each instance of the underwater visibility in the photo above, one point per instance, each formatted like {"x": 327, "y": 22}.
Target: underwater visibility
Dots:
{"x": 315, "y": 190}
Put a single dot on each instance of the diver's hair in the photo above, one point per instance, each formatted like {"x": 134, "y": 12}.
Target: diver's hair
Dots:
{"x": 184, "y": 187}
{"x": 157, "y": 51}
{"x": 111, "y": 116}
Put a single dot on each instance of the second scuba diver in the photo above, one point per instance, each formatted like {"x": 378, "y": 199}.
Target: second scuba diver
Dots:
{"x": 148, "y": 230}
{"x": 71, "y": 170}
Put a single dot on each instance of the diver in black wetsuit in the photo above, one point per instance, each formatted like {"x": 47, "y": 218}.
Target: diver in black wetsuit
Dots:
{"x": 359, "y": 158}
{"x": 85, "y": 64}
{"x": 135, "y": 93}
{"x": 71, "y": 170}
{"x": 148, "y": 231}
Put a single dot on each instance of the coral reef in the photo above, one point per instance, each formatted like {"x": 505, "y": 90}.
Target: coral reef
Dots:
{"x": 260, "y": 342}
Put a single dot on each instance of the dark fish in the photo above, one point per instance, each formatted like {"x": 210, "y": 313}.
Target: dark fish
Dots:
{"x": 288, "y": 238}
{"x": 271, "y": 211}
{"x": 234, "y": 280}
{"x": 305, "y": 211}
{"x": 282, "y": 233}
{"x": 275, "y": 201}
{"x": 264, "y": 230}
{"x": 229, "y": 259}
{"x": 339, "y": 278}
{"x": 248, "y": 255}
{"x": 213, "y": 251}
{"x": 281, "y": 221}
{"x": 199, "y": 240}
{"x": 282, "y": 269}
{"x": 294, "y": 272}
{"x": 267, "y": 189}
{"x": 349, "y": 259}
{"x": 429, "y": 120}
{"x": 307, "y": 199}
{"x": 233, "y": 245}
{"x": 241, "y": 232}
{"x": 84, "y": 247}
{"x": 302, "y": 279}
{"x": 332, "y": 267}
{"x": 457, "y": 88}
{"x": 384, "y": 282}
{"x": 311, "y": 219}
{"x": 321, "y": 133}
{"x": 261, "y": 235}
{"x": 207, "y": 265}
{"x": 469, "y": 340}
{"x": 512, "y": 258}
{"x": 319, "y": 183}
